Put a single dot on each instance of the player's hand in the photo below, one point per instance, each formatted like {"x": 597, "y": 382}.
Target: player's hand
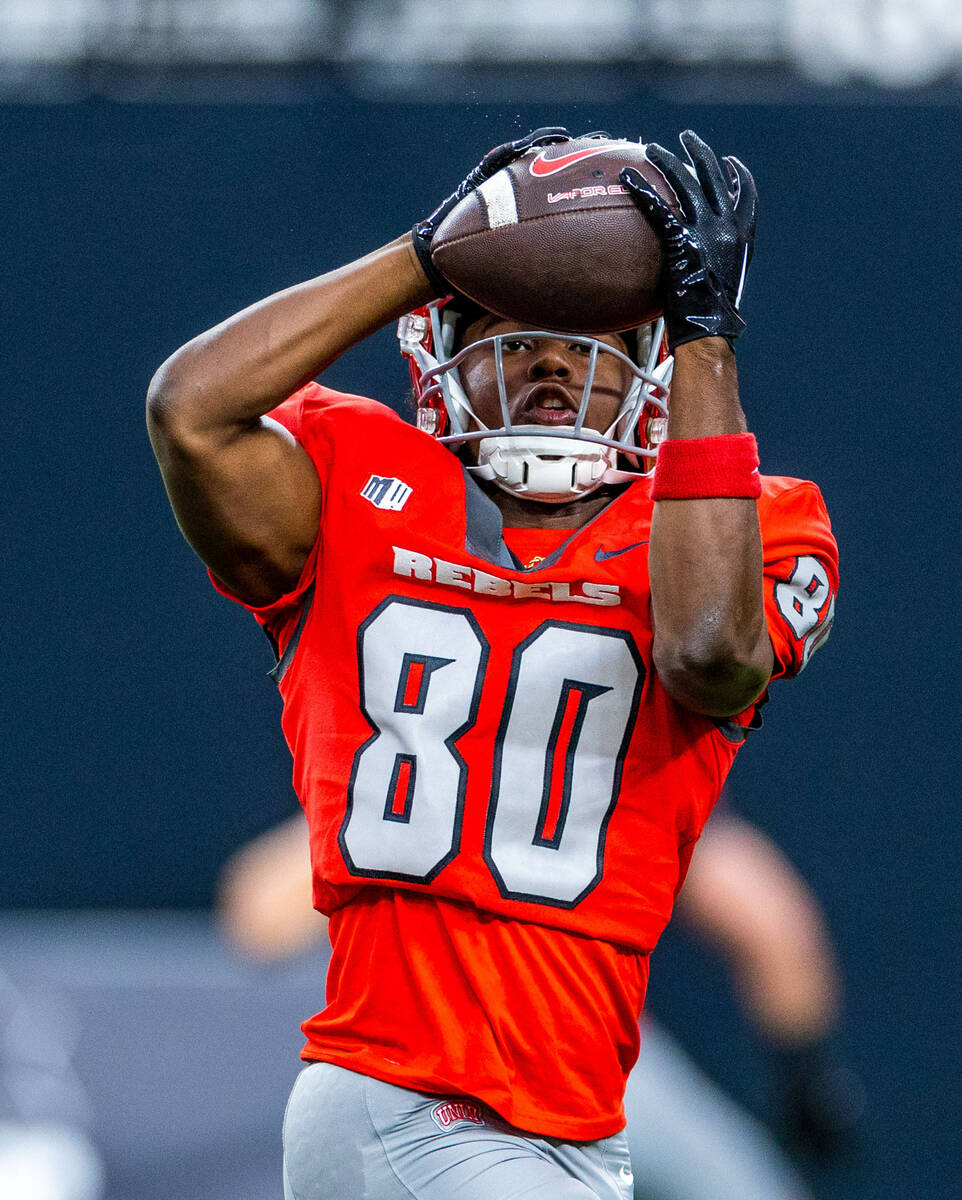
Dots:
{"x": 707, "y": 250}
{"x": 493, "y": 161}
{"x": 818, "y": 1102}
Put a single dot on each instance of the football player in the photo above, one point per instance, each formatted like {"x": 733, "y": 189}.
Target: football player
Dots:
{"x": 515, "y": 667}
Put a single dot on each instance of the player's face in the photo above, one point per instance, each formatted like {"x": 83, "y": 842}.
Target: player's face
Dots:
{"x": 544, "y": 378}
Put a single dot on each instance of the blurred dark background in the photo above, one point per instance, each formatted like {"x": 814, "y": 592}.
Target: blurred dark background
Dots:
{"x": 142, "y": 740}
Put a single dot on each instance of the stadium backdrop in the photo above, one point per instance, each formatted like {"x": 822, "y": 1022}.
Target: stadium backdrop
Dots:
{"x": 141, "y": 736}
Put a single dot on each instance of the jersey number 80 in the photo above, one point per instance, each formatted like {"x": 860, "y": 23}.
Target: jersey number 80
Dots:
{"x": 568, "y": 714}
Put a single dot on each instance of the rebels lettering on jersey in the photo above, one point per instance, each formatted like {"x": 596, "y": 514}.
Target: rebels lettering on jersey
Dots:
{"x": 502, "y": 796}
{"x": 409, "y": 564}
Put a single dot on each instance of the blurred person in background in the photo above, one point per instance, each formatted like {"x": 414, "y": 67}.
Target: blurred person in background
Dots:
{"x": 45, "y": 1150}
{"x": 688, "y": 1140}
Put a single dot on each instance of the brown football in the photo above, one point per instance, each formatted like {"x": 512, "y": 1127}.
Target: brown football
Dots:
{"x": 554, "y": 240}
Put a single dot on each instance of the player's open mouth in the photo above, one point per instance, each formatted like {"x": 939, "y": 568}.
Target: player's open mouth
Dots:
{"x": 548, "y": 404}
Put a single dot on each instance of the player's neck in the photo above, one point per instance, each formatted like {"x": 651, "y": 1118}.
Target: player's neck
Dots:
{"x": 533, "y": 514}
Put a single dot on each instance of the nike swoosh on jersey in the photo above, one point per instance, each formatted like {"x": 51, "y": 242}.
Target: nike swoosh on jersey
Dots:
{"x": 542, "y": 166}
{"x": 601, "y": 555}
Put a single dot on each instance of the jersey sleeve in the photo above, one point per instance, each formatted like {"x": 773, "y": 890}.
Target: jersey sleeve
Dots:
{"x": 801, "y": 572}
{"x": 302, "y": 416}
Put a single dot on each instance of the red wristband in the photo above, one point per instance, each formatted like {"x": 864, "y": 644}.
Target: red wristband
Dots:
{"x": 708, "y": 467}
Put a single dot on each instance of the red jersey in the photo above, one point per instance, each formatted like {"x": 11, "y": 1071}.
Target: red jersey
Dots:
{"x": 502, "y": 797}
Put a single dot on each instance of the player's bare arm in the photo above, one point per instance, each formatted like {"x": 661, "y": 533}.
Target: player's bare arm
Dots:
{"x": 245, "y": 494}
{"x": 711, "y": 646}
{"x": 745, "y": 897}
{"x": 264, "y": 895}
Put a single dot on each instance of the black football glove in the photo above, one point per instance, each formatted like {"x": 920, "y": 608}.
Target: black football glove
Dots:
{"x": 818, "y": 1101}
{"x": 493, "y": 161}
{"x": 707, "y": 250}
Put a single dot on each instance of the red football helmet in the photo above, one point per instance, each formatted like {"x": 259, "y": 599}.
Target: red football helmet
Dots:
{"x": 538, "y": 463}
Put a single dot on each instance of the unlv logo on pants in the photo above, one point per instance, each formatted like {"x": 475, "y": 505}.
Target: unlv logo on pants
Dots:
{"x": 453, "y": 1111}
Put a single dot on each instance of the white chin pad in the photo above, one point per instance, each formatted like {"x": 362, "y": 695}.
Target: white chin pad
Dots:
{"x": 544, "y": 468}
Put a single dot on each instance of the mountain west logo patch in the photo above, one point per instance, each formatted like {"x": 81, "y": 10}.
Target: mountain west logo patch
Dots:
{"x": 386, "y": 492}
{"x": 452, "y": 1112}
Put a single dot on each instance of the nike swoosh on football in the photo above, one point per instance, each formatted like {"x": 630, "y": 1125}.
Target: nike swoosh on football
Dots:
{"x": 541, "y": 165}
{"x": 601, "y": 555}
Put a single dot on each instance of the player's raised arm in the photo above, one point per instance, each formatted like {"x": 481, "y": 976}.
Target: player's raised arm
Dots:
{"x": 711, "y": 645}
{"x": 245, "y": 494}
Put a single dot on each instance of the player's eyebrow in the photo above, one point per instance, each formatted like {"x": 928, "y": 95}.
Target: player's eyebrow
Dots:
{"x": 483, "y": 325}
{"x": 489, "y": 320}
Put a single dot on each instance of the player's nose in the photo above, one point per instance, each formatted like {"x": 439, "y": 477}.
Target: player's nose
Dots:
{"x": 549, "y": 359}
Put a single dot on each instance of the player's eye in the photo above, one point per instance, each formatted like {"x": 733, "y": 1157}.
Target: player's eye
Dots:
{"x": 516, "y": 344}
{"x": 579, "y": 348}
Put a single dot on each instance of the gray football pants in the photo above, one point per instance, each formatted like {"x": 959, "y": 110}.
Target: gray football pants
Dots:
{"x": 349, "y": 1137}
